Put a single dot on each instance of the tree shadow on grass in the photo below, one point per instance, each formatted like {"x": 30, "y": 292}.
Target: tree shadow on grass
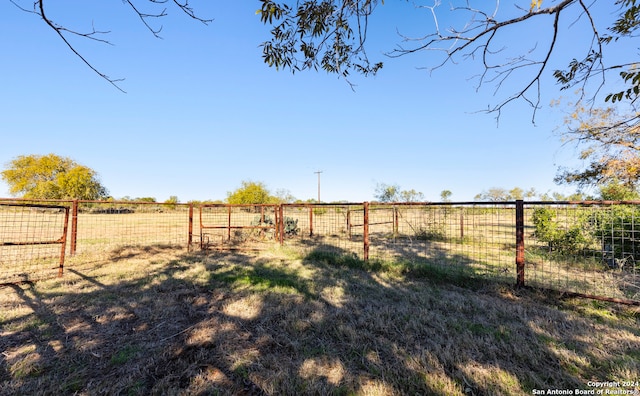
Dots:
{"x": 246, "y": 324}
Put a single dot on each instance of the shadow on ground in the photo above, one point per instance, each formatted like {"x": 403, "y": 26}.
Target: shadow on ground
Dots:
{"x": 168, "y": 322}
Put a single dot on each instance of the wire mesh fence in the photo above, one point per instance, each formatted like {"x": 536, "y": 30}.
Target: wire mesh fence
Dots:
{"x": 587, "y": 248}
{"x": 477, "y": 239}
{"x": 100, "y": 227}
{"x": 238, "y": 226}
{"x": 32, "y": 241}
{"x": 323, "y": 227}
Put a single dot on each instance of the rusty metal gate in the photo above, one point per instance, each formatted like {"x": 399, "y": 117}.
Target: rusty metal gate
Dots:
{"x": 32, "y": 241}
{"x": 246, "y": 227}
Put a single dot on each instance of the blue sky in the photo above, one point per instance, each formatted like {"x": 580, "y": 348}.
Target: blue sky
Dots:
{"x": 202, "y": 111}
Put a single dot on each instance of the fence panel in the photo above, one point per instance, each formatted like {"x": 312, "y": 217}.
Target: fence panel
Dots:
{"x": 324, "y": 227}
{"x": 32, "y": 241}
{"x": 477, "y": 239}
{"x": 584, "y": 248}
{"x": 238, "y": 226}
{"x": 103, "y": 227}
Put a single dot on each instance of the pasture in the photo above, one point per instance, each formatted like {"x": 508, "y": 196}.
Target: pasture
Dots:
{"x": 299, "y": 310}
{"x": 285, "y": 321}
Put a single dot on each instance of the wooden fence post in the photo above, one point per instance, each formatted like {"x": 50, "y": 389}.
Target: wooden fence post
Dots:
{"x": 520, "y": 243}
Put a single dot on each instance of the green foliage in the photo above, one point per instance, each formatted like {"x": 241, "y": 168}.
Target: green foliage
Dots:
{"x": 433, "y": 232}
{"x": 562, "y": 239}
{"x": 615, "y": 230}
{"x": 387, "y": 193}
{"x": 319, "y": 210}
{"x": 145, "y": 199}
{"x": 251, "y": 193}
{"x": 317, "y": 34}
{"x": 618, "y": 229}
{"x": 290, "y": 224}
{"x": 171, "y": 202}
{"x": 411, "y": 196}
{"x": 617, "y": 191}
{"x": 392, "y": 193}
{"x": 445, "y": 195}
{"x": 52, "y": 177}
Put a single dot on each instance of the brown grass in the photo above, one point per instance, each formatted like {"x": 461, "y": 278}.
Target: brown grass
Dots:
{"x": 159, "y": 321}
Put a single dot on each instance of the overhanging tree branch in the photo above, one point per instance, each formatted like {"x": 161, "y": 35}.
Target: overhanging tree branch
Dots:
{"x": 63, "y": 32}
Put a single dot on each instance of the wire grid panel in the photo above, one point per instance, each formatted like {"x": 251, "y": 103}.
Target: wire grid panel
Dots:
{"x": 588, "y": 249}
{"x": 323, "y": 227}
{"x": 31, "y": 241}
{"x": 238, "y": 226}
{"x": 477, "y": 239}
{"x": 105, "y": 226}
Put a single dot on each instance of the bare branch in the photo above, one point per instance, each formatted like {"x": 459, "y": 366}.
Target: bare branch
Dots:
{"x": 96, "y": 35}
{"x": 476, "y": 39}
{"x": 60, "y": 32}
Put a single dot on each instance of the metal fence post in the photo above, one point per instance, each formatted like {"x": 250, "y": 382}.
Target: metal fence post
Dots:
{"x": 63, "y": 241}
{"x": 396, "y": 221}
{"x": 366, "y": 231}
{"x": 74, "y": 226}
{"x": 281, "y": 223}
{"x": 520, "y": 242}
{"x": 311, "y": 220}
{"x": 190, "y": 237}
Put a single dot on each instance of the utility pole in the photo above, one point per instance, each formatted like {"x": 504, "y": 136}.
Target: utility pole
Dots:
{"x": 318, "y": 173}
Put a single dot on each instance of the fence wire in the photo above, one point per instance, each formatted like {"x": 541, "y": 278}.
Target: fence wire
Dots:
{"x": 103, "y": 227}
{"x": 330, "y": 227}
{"x": 238, "y": 226}
{"x": 32, "y": 241}
{"x": 583, "y": 248}
{"x": 474, "y": 239}
{"x": 588, "y": 248}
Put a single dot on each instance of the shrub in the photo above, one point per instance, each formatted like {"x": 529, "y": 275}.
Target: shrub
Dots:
{"x": 290, "y": 224}
{"x": 618, "y": 230}
{"x": 563, "y": 239}
{"x": 432, "y": 232}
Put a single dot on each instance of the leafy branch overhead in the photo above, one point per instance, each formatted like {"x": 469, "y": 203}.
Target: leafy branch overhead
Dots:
{"x": 329, "y": 35}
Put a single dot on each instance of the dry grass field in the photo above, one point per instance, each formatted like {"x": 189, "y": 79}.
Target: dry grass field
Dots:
{"x": 154, "y": 320}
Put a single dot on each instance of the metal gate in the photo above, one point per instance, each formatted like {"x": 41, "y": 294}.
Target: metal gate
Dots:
{"x": 32, "y": 241}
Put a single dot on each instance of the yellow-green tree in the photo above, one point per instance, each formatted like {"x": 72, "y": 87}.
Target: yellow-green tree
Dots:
{"x": 51, "y": 177}
{"x": 251, "y": 192}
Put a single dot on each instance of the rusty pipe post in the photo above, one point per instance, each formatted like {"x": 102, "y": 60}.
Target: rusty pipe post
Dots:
{"x": 190, "y": 236}
{"x": 74, "y": 227}
{"x": 520, "y": 243}
{"x": 63, "y": 241}
{"x": 366, "y": 231}
{"x": 229, "y": 224}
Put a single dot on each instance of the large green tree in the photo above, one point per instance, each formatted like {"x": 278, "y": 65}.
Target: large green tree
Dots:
{"x": 51, "y": 177}
{"x": 332, "y": 35}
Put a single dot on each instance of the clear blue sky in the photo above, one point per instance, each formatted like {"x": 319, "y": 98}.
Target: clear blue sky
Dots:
{"x": 202, "y": 111}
